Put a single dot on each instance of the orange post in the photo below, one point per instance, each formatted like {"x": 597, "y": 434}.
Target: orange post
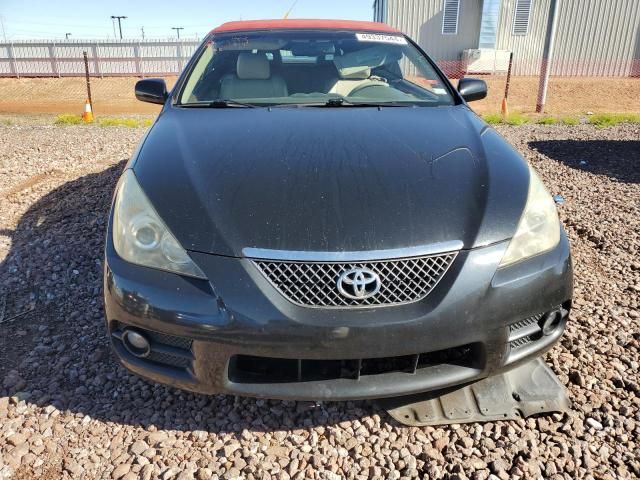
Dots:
{"x": 87, "y": 115}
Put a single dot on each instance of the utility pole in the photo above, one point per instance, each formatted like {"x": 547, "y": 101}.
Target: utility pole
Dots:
{"x": 547, "y": 55}
{"x": 119, "y": 18}
{"x": 4, "y": 32}
{"x": 142, "y": 30}
{"x": 66, "y": 36}
{"x": 177, "y": 29}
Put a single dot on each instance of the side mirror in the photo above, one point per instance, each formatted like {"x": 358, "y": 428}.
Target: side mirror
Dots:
{"x": 152, "y": 90}
{"x": 472, "y": 89}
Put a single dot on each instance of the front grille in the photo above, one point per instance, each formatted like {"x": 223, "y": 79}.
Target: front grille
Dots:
{"x": 251, "y": 369}
{"x": 314, "y": 284}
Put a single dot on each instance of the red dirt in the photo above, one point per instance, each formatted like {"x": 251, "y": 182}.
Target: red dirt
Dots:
{"x": 566, "y": 95}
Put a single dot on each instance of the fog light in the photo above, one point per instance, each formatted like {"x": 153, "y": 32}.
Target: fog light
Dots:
{"x": 136, "y": 343}
{"x": 550, "y": 321}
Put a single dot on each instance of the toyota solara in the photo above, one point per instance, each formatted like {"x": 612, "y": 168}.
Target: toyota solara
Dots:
{"x": 318, "y": 214}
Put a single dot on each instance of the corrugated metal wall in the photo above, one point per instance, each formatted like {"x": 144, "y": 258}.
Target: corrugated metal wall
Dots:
{"x": 422, "y": 21}
{"x": 598, "y": 37}
{"x": 594, "y": 37}
{"x": 527, "y": 49}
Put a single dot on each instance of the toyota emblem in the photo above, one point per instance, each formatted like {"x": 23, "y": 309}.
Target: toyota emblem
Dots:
{"x": 359, "y": 283}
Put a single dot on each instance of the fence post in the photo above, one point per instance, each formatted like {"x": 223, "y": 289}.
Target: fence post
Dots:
{"x": 504, "y": 107}
{"x": 179, "y": 53}
{"x": 86, "y": 74}
{"x": 547, "y": 56}
{"x": 12, "y": 61}
{"x": 55, "y": 69}
{"x": 96, "y": 60}
{"x": 136, "y": 54}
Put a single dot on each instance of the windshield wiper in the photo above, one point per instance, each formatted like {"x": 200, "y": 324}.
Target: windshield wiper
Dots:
{"x": 219, "y": 103}
{"x": 343, "y": 102}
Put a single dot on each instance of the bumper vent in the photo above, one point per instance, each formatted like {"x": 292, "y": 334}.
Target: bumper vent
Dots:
{"x": 250, "y": 369}
{"x": 531, "y": 329}
{"x": 315, "y": 284}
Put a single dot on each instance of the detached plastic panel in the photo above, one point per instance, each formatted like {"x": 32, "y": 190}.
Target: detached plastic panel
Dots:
{"x": 527, "y": 390}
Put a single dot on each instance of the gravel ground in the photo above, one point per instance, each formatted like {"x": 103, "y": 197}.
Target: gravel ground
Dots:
{"x": 67, "y": 410}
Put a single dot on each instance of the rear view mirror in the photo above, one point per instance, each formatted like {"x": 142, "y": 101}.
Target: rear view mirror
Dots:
{"x": 472, "y": 89}
{"x": 152, "y": 90}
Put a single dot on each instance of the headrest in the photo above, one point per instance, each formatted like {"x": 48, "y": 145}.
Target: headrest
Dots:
{"x": 252, "y": 66}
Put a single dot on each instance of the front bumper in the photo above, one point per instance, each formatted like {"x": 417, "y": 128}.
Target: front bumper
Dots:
{"x": 205, "y": 335}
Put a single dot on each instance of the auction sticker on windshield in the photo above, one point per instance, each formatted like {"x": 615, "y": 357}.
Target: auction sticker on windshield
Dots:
{"x": 378, "y": 37}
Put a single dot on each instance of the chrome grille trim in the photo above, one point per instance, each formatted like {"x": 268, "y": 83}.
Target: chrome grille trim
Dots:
{"x": 352, "y": 256}
{"x": 313, "y": 284}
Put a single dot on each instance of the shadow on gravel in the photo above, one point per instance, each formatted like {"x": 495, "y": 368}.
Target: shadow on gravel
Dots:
{"x": 614, "y": 158}
{"x": 53, "y": 345}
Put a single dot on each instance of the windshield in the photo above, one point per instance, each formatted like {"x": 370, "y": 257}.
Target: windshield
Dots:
{"x": 312, "y": 67}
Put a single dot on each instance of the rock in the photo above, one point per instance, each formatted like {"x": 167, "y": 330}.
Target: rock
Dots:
{"x": 146, "y": 472}
{"x": 155, "y": 438}
{"x": 73, "y": 468}
{"x": 230, "y": 449}
{"x": 120, "y": 471}
{"x": 576, "y": 378}
{"x": 232, "y": 474}
{"x": 204, "y": 474}
{"x": 441, "y": 443}
{"x": 186, "y": 475}
{"x": 16, "y": 439}
{"x": 593, "y": 423}
{"x": 139, "y": 447}
{"x": 169, "y": 473}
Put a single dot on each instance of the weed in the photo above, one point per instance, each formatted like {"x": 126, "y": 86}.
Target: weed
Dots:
{"x": 124, "y": 122}
{"x": 604, "y": 120}
{"x": 492, "y": 118}
{"x": 119, "y": 122}
{"x": 516, "y": 119}
{"x": 570, "y": 120}
{"x": 547, "y": 121}
{"x": 68, "y": 119}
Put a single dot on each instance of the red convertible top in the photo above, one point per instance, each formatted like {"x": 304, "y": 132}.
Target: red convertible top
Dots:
{"x": 304, "y": 24}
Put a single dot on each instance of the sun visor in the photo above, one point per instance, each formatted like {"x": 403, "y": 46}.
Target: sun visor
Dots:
{"x": 243, "y": 43}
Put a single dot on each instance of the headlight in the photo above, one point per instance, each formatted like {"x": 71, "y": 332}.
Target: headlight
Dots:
{"x": 141, "y": 237}
{"x": 539, "y": 227}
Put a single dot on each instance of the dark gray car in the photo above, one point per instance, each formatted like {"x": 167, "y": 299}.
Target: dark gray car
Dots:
{"x": 317, "y": 214}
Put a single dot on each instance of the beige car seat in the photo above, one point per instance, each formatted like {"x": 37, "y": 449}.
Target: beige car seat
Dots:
{"x": 253, "y": 79}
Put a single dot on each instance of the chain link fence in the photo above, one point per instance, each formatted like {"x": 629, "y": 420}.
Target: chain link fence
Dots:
{"x": 48, "y": 77}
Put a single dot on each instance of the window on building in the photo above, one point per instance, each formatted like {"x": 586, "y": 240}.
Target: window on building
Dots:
{"x": 450, "y": 17}
{"x": 521, "y": 17}
{"x": 489, "y": 23}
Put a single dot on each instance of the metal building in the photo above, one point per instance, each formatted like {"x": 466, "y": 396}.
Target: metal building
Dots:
{"x": 593, "y": 37}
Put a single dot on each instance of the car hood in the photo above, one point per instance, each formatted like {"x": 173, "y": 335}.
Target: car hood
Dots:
{"x": 331, "y": 179}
